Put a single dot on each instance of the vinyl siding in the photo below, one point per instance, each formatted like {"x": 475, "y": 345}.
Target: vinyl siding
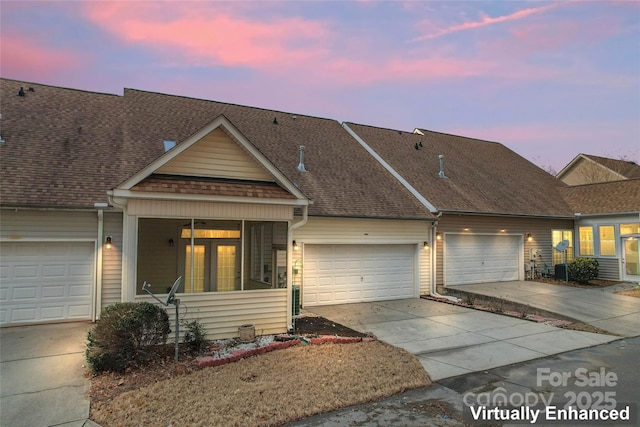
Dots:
{"x": 320, "y": 230}
{"x": 182, "y": 209}
{"x": 23, "y": 224}
{"x": 222, "y": 313}
{"x": 539, "y": 228}
{"x": 112, "y": 260}
{"x": 609, "y": 268}
{"x": 216, "y": 155}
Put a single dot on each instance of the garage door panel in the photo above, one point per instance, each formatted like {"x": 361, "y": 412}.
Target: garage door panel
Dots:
{"x": 49, "y": 281}
{"x": 357, "y": 273}
{"x": 481, "y": 258}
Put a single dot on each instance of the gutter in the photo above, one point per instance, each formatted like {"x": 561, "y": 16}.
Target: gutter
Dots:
{"x": 97, "y": 298}
{"x": 432, "y": 283}
{"x": 292, "y": 227}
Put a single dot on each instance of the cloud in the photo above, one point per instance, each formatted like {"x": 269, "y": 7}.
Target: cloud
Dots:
{"x": 204, "y": 36}
{"x": 487, "y": 21}
{"x": 29, "y": 59}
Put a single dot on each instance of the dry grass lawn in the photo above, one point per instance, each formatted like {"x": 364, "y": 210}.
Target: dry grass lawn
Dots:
{"x": 270, "y": 389}
{"x": 630, "y": 293}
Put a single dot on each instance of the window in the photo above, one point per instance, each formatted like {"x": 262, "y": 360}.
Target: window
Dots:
{"x": 586, "y": 240}
{"x": 558, "y": 236}
{"x": 630, "y": 228}
{"x": 211, "y": 255}
{"x": 607, "y": 240}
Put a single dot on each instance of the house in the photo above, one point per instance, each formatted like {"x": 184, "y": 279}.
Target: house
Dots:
{"x": 588, "y": 169}
{"x": 607, "y": 226}
{"x": 496, "y": 212}
{"x": 102, "y": 193}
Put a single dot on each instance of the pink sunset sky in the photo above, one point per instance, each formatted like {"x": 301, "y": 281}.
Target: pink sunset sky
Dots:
{"x": 547, "y": 79}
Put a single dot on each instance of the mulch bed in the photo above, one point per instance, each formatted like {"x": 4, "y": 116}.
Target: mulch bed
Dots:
{"x": 321, "y": 326}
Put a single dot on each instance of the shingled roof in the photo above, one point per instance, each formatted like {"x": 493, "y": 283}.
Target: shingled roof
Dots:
{"x": 605, "y": 197}
{"x": 481, "y": 177}
{"x": 66, "y": 148}
{"x": 627, "y": 169}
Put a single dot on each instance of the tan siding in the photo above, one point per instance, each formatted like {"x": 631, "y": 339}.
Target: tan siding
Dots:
{"x": 112, "y": 260}
{"x": 540, "y": 230}
{"x": 180, "y": 209}
{"x": 609, "y": 268}
{"x": 216, "y": 155}
{"x": 351, "y": 230}
{"x": 45, "y": 224}
{"x": 223, "y": 313}
{"x": 586, "y": 172}
{"x": 424, "y": 271}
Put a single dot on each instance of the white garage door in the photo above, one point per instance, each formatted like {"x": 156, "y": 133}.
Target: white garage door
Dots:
{"x": 336, "y": 274}
{"x": 481, "y": 258}
{"x": 45, "y": 282}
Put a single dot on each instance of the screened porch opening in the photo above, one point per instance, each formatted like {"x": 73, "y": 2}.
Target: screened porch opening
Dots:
{"x": 211, "y": 255}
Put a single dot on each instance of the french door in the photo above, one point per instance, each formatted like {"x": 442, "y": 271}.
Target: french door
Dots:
{"x": 211, "y": 266}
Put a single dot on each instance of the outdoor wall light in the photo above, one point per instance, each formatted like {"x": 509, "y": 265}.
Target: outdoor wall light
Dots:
{"x": 107, "y": 242}
{"x": 439, "y": 236}
{"x": 295, "y": 246}
{"x": 171, "y": 243}
{"x": 425, "y": 245}
{"x": 529, "y": 237}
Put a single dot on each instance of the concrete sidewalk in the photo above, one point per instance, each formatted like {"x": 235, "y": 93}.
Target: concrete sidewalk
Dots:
{"x": 42, "y": 378}
{"x": 599, "y": 307}
{"x": 450, "y": 340}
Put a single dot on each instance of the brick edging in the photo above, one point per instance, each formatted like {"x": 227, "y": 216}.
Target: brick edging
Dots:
{"x": 236, "y": 355}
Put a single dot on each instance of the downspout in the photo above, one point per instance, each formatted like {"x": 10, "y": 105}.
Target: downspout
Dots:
{"x": 97, "y": 298}
{"x": 434, "y": 244}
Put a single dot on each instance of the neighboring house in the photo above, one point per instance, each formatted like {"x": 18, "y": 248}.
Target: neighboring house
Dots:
{"x": 608, "y": 226}
{"x": 495, "y": 210}
{"x": 588, "y": 169}
{"x": 101, "y": 193}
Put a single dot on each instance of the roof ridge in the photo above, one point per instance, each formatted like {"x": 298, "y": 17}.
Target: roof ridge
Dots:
{"x": 382, "y": 128}
{"x": 24, "y": 82}
{"x": 228, "y": 103}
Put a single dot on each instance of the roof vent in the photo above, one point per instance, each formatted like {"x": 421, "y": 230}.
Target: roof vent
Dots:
{"x": 301, "y": 164}
{"x": 441, "y": 173}
{"x": 21, "y": 91}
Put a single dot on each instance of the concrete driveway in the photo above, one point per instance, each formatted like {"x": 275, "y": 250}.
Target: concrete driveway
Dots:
{"x": 42, "y": 380}
{"x": 599, "y": 307}
{"x": 450, "y": 340}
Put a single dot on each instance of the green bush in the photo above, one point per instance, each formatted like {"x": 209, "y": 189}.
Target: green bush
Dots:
{"x": 195, "y": 337}
{"x": 125, "y": 335}
{"x": 583, "y": 269}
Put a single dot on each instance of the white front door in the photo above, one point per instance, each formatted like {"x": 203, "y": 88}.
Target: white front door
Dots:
{"x": 630, "y": 259}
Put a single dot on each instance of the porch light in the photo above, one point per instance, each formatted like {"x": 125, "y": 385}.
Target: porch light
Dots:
{"x": 107, "y": 242}
{"x": 295, "y": 246}
{"x": 171, "y": 243}
{"x": 439, "y": 236}
{"x": 529, "y": 237}
{"x": 425, "y": 245}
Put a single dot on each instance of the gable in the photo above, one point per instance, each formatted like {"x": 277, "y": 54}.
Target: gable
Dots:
{"x": 586, "y": 171}
{"x": 216, "y": 155}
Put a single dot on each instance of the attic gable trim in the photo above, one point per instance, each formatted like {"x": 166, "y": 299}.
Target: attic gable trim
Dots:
{"x": 219, "y": 122}
{"x": 391, "y": 170}
{"x": 133, "y": 194}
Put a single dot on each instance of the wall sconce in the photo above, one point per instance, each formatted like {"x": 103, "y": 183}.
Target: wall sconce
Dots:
{"x": 171, "y": 243}
{"x": 425, "y": 245}
{"x": 107, "y": 242}
{"x": 295, "y": 246}
{"x": 438, "y": 236}
{"x": 466, "y": 229}
{"x": 529, "y": 237}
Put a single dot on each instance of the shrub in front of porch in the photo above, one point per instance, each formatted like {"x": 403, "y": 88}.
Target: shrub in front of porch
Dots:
{"x": 583, "y": 269}
{"x": 125, "y": 335}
